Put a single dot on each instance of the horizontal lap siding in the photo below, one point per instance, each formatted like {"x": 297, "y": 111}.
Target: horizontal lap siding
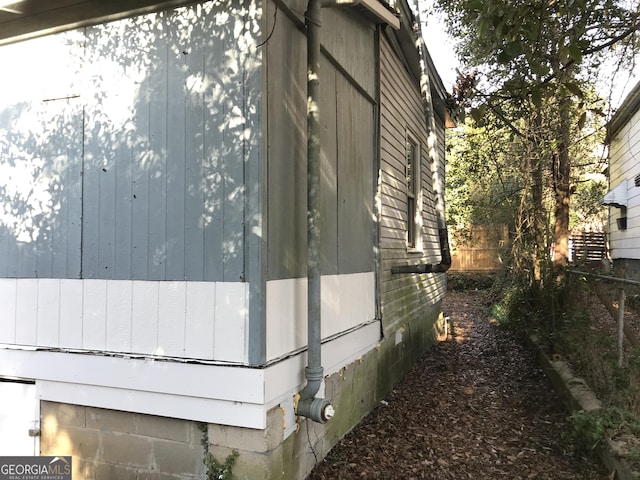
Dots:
{"x": 404, "y": 297}
{"x": 624, "y": 150}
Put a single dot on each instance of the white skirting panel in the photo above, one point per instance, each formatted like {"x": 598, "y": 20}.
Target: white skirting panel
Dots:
{"x": 347, "y": 301}
{"x": 208, "y": 393}
{"x": 226, "y": 395}
{"x": 192, "y": 320}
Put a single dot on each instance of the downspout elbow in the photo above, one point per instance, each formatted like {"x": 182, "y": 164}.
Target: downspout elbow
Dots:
{"x": 445, "y": 252}
{"x": 317, "y": 409}
{"x": 443, "y": 266}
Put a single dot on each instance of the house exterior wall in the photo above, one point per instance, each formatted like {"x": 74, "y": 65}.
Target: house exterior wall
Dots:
{"x": 623, "y": 167}
{"x": 404, "y": 297}
{"x": 348, "y": 163}
{"x": 141, "y": 160}
{"x": 624, "y": 147}
{"x": 193, "y": 308}
{"x": 123, "y": 194}
{"x": 130, "y": 200}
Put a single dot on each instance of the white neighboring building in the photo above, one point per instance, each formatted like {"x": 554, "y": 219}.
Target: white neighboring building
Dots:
{"x": 623, "y": 197}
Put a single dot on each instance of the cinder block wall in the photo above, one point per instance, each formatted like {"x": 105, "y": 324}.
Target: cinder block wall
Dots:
{"x": 354, "y": 391}
{"x": 114, "y": 445}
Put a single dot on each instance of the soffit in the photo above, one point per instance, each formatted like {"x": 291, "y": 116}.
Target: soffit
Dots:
{"x": 31, "y": 18}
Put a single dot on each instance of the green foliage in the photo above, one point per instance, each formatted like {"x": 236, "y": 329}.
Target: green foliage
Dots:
{"x": 482, "y": 178}
{"x": 459, "y": 281}
{"x": 586, "y": 208}
{"x": 537, "y": 42}
{"x": 533, "y": 67}
{"x": 513, "y": 311}
{"x": 591, "y": 428}
{"x": 216, "y": 470}
{"x": 543, "y": 309}
{"x": 220, "y": 471}
{"x": 495, "y": 176}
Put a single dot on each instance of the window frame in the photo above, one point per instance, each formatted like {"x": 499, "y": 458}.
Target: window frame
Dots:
{"x": 413, "y": 191}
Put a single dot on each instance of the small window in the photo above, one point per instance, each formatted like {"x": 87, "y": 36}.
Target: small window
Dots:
{"x": 622, "y": 220}
{"x": 412, "y": 157}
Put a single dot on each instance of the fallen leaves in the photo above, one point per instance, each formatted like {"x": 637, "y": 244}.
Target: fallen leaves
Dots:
{"x": 475, "y": 406}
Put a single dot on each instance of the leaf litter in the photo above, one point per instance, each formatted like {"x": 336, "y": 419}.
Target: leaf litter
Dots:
{"x": 474, "y": 406}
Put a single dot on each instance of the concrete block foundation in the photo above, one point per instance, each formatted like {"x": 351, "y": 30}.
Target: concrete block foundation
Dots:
{"x": 108, "y": 444}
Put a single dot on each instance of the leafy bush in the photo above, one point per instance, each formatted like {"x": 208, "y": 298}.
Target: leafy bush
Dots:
{"x": 462, "y": 281}
{"x": 591, "y": 428}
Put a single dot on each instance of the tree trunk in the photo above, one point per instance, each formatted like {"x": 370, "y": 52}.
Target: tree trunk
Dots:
{"x": 562, "y": 187}
{"x": 538, "y": 219}
{"x": 537, "y": 198}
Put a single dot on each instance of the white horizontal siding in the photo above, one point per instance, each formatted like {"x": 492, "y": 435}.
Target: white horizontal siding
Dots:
{"x": 198, "y": 320}
{"x": 624, "y": 153}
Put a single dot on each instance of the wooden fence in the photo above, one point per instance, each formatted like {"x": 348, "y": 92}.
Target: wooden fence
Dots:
{"x": 479, "y": 248}
{"x": 588, "y": 247}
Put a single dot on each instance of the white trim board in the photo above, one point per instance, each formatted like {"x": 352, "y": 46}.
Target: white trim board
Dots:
{"x": 227, "y": 395}
{"x": 238, "y": 414}
{"x": 175, "y": 378}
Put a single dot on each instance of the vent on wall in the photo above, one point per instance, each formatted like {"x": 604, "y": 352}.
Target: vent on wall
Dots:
{"x": 622, "y": 223}
{"x": 636, "y": 181}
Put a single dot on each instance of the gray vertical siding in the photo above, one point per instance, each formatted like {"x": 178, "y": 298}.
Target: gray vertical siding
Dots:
{"x": 40, "y": 162}
{"x": 347, "y": 148}
{"x": 146, "y": 170}
{"x": 355, "y": 186}
{"x": 329, "y": 228}
{"x": 285, "y": 100}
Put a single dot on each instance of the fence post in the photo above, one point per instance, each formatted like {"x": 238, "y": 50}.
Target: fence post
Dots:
{"x": 621, "y": 296}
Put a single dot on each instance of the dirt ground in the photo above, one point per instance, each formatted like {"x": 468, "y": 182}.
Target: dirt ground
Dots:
{"x": 475, "y": 406}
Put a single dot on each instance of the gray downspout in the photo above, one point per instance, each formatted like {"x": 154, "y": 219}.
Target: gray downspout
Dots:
{"x": 425, "y": 87}
{"x": 317, "y": 409}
